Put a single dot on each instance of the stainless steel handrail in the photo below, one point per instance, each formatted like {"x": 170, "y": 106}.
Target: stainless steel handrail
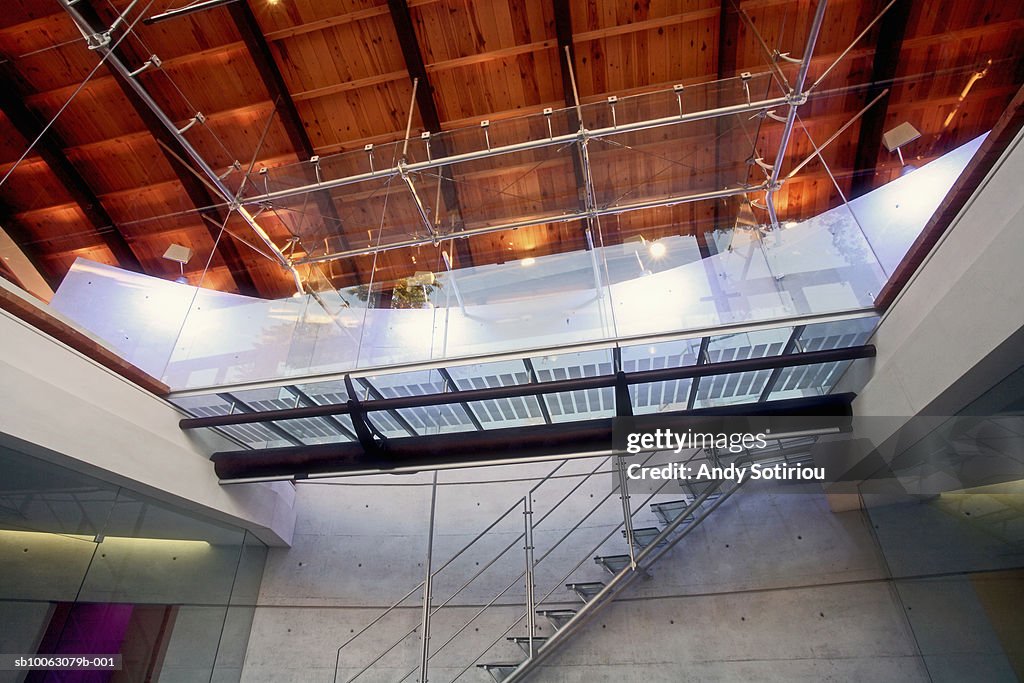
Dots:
{"x": 559, "y": 583}
{"x": 394, "y": 605}
{"x": 584, "y": 478}
{"x": 621, "y": 580}
{"x": 545, "y": 555}
{"x": 646, "y": 558}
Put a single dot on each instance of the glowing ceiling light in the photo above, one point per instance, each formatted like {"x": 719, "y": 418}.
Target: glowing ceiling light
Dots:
{"x": 657, "y": 249}
{"x": 527, "y": 262}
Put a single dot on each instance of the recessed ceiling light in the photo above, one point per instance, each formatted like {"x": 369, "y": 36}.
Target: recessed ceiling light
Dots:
{"x": 527, "y": 262}
{"x": 657, "y": 249}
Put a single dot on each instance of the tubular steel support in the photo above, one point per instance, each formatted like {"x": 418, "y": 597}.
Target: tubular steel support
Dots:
{"x": 215, "y": 181}
{"x": 542, "y": 220}
{"x": 420, "y": 208}
{"x": 531, "y": 615}
{"x": 553, "y": 141}
{"x": 627, "y": 512}
{"x": 819, "y": 148}
{"x": 796, "y": 97}
{"x": 428, "y": 583}
{"x": 845, "y": 52}
{"x": 621, "y": 580}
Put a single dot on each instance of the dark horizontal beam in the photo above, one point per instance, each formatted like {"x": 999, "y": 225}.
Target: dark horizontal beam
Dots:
{"x": 522, "y": 444}
{"x": 557, "y": 386}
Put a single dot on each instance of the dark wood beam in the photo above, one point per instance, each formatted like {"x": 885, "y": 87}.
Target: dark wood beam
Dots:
{"x": 891, "y": 30}
{"x": 198, "y": 194}
{"x": 567, "y": 62}
{"x": 51, "y": 148}
{"x": 414, "y": 64}
{"x": 29, "y": 246}
{"x": 728, "y": 46}
{"x": 277, "y": 89}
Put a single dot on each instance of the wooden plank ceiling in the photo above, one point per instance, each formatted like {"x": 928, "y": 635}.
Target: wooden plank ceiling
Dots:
{"x": 337, "y": 76}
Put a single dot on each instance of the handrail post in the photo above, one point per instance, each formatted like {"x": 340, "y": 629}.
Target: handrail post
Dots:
{"x": 428, "y": 584}
{"x": 627, "y": 512}
{"x": 531, "y": 615}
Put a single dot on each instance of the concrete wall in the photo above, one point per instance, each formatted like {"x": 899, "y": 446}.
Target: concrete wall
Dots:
{"x": 64, "y": 408}
{"x": 772, "y": 587}
{"x": 966, "y": 303}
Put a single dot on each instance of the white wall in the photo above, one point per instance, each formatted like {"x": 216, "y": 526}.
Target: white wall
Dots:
{"x": 964, "y": 303}
{"x": 62, "y": 407}
{"x": 774, "y": 586}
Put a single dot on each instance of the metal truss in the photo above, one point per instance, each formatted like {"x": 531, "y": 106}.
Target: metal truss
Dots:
{"x": 796, "y": 95}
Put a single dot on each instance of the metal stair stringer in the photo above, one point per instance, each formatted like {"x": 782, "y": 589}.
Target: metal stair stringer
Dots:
{"x": 644, "y": 560}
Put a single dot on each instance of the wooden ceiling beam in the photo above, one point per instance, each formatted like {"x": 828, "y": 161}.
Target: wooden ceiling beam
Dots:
{"x": 411, "y": 53}
{"x": 50, "y": 147}
{"x": 29, "y": 248}
{"x": 728, "y": 51}
{"x": 175, "y": 154}
{"x": 647, "y": 25}
{"x": 825, "y": 124}
{"x": 891, "y": 31}
{"x": 567, "y": 62}
{"x": 259, "y": 51}
{"x": 969, "y": 33}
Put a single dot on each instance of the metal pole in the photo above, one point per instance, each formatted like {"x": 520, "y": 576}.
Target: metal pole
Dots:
{"x": 796, "y": 98}
{"x": 451, "y": 275}
{"x": 531, "y": 616}
{"x": 408, "y": 121}
{"x": 428, "y": 584}
{"x": 817, "y": 150}
{"x": 556, "y": 141}
{"x": 189, "y": 9}
{"x": 627, "y": 513}
{"x": 850, "y": 47}
{"x": 561, "y": 218}
{"x": 621, "y": 580}
{"x": 420, "y": 208}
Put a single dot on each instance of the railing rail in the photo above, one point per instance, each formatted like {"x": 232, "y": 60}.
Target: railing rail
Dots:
{"x": 584, "y": 477}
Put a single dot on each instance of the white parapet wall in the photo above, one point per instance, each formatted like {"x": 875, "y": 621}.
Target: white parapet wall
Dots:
{"x": 964, "y": 303}
{"x": 65, "y": 408}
